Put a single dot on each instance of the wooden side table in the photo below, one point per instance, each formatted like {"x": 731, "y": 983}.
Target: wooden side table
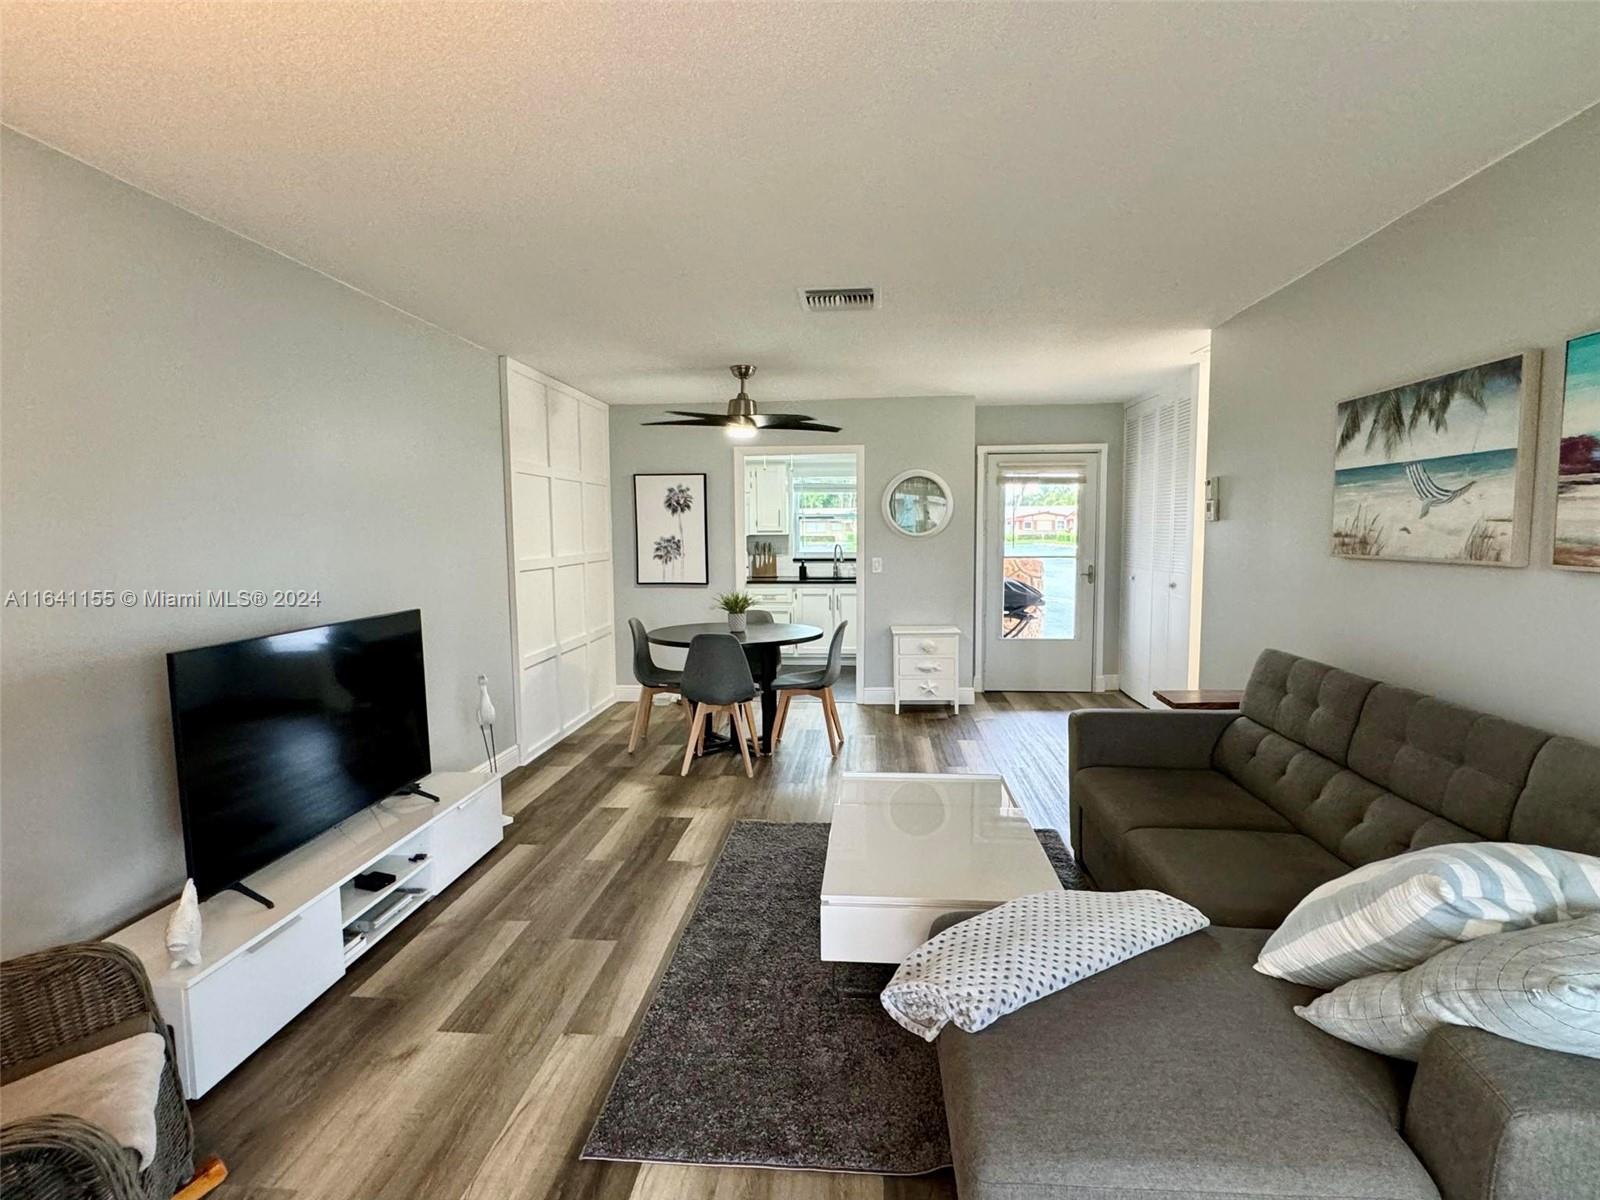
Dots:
{"x": 1210, "y": 698}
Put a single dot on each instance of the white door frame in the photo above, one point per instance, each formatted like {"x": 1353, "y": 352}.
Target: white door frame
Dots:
{"x": 1099, "y": 679}
{"x": 753, "y": 450}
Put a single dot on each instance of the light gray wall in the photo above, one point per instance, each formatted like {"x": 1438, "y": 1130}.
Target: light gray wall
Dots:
{"x": 1510, "y": 260}
{"x": 924, "y": 580}
{"x": 1064, "y": 424}
{"x": 182, "y": 410}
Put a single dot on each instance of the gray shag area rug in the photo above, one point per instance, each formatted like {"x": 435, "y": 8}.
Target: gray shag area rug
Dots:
{"x": 754, "y": 1054}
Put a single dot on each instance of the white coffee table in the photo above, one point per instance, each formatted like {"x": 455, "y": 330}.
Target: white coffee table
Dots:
{"x": 906, "y": 849}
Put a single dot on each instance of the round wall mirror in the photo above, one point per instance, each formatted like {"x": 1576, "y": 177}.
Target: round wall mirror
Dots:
{"x": 917, "y": 503}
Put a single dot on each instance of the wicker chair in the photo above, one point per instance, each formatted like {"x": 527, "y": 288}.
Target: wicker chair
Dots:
{"x": 54, "y": 999}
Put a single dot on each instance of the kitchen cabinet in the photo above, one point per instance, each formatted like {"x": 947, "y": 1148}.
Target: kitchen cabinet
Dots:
{"x": 822, "y": 605}
{"x": 767, "y": 496}
{"x": 844, "y": 609}
{"x": 814, "y": 606}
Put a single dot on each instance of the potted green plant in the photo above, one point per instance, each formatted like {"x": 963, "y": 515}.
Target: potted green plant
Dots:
{"x": 736, "y": 605}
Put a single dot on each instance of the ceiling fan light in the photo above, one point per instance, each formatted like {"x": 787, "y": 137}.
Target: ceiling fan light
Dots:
{"x": 741, "y": 430}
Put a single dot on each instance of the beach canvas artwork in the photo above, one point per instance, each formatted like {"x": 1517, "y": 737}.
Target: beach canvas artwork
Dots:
{"x": 1440, "y": 470}
{"x": 1578, "y": 471}
{"x": 670, "y": 543}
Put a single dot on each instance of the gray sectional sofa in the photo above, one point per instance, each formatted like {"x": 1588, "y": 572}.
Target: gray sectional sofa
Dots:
{"x": 1185, "y": 1073}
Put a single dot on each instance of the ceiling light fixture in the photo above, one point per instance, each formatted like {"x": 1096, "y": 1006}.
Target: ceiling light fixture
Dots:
{"x": 742, "y": 422}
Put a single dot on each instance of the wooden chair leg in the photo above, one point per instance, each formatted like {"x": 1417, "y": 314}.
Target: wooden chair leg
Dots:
{"x": 211, "y": 1173}
{"x": 750, "y": 721}
{"x": 832, "y": 706}
{"x": 780, "y": 718}
{"x": 633, "y": 733}
{"x": 827, "y": 724}
{"x": 736, "y": 721}
{"x": 694, "y": 738}
{"x": 641, "y": 719}
{"x": 648, "y": 699}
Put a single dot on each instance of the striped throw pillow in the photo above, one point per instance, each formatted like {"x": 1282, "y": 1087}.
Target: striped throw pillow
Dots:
{"x": 1394, "y": 914}
{"x": 1540, "y": 986}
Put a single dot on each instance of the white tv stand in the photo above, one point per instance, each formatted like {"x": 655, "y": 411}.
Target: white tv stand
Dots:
{"x": 261, "y": 966}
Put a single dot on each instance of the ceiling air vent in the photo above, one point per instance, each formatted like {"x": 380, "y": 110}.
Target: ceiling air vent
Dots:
{"x": 838, "y": 299}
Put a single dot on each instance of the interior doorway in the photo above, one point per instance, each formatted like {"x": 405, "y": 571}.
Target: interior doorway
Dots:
{"x": 1040, "y": 545}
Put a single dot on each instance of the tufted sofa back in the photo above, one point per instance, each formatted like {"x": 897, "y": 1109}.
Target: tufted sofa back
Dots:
{"x": 1560, "y": 807}
{"x": 1307, "y": 702}
{"x": 1464, "y": 766}
{"x": 1369, "y": 770}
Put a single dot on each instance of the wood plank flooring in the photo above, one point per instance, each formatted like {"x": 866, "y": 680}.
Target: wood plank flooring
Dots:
{"x": 465, "y": 1057}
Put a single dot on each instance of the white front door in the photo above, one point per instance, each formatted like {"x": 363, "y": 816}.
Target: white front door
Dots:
{"x": 1040, "y": 587}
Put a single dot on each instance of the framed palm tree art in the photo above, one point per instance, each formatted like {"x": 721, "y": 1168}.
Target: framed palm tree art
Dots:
{"x": 670, "y": 530}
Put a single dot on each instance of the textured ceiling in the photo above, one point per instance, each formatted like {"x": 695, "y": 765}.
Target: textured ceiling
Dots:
{"x": 1055, "y": 200}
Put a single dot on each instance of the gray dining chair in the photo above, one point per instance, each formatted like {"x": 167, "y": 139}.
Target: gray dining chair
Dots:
{"x": 653, "y": 680}
{"x": 816, "y": 682}
{"x": 716, "y": 680}
{"x": 757, "y": 616}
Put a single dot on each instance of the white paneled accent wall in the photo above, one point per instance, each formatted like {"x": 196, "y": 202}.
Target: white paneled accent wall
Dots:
{"x": 558, "y": 464}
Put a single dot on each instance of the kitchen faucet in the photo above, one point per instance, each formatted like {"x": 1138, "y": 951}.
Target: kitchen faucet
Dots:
{"x": 838, "y": 558}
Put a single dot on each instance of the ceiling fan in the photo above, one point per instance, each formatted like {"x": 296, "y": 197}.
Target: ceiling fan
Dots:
{"x": 742, "y": 420}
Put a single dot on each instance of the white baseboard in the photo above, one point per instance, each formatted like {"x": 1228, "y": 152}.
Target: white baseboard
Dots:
{"x": 1105, "y": 683}
{"x": 550, "y": 740}
{"x": 504, "y": 760}
{"x": 628, "y": 693}
{"x": 885, "y": 695}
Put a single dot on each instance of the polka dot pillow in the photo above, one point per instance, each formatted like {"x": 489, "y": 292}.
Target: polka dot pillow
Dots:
{"x": 978, "y": 971}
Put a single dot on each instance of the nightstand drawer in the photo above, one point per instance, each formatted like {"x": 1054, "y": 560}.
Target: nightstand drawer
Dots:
{"x": 921, "y": 667}
{"x": 933, "y": 645}
{"x": 936, "y": 690}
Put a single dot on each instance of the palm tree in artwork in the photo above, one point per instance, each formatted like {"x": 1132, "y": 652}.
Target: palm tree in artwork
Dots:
{"x": 668, "y": 550}
{"x": 1395, "y": 415}
{"x": 679, "y": 500}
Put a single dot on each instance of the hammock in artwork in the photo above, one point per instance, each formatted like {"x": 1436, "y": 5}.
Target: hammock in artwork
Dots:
{"x": 1428, "y": 491}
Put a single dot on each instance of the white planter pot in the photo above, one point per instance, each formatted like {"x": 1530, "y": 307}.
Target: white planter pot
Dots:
{"x": 736, "y": 622}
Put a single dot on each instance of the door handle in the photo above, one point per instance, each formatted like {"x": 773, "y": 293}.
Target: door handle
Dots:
{"x": 1088, "y": 573}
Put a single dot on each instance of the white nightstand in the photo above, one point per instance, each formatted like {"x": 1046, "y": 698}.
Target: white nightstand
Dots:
{"x": 927, "y": 660}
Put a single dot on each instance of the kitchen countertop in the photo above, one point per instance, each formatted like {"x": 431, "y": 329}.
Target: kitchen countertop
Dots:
{"x": 782, "y": 580}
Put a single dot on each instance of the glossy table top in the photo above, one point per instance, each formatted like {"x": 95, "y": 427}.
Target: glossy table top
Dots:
{"x": 950, "y": 840}
{"x": 773, "y": 634}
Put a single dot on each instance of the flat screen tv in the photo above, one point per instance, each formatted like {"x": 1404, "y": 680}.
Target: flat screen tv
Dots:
{"x": 280, "y": 738}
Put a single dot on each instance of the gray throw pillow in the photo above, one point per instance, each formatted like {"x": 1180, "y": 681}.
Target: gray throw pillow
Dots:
{"x": 1540, "y": 986}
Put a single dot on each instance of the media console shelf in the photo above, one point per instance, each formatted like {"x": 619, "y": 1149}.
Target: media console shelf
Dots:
{"x": 259, "y": 967}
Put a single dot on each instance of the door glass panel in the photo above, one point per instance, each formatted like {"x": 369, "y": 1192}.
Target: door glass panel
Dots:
{"x": 1039, "y": 579}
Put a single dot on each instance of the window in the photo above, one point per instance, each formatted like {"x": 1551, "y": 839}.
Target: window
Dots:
{"x": 824, "y": 508}
{"x": 1039, "y": 525}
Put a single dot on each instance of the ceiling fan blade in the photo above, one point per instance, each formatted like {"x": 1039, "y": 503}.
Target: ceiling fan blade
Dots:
{"x": 794, "y": 421}
{"x": 704, "y": 420}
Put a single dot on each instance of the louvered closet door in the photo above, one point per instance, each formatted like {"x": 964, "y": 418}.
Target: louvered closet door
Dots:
{"x": 1170, "y": 650}
{"x": 1134, "y": 659}
{"x": 1158, "y": 511}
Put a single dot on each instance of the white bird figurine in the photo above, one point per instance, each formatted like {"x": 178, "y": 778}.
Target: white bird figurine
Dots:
{"x": 183, "y": 929}
{"x": 486, "y": 721}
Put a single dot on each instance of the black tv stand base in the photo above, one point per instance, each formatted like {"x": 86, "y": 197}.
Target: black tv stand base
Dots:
{"x": 252, "y": 893}
{"x": 412, "y": 789}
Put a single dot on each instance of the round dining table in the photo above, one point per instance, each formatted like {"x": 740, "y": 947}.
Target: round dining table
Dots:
{"x": 763, "y": 646}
